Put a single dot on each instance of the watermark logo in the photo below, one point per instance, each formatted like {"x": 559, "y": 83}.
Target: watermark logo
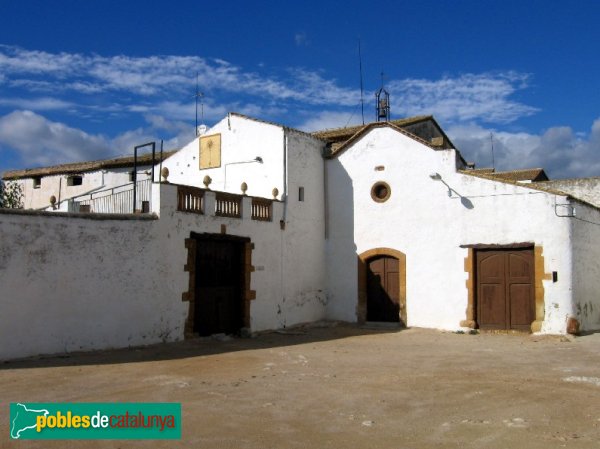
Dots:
{"x": 105, "y": 420}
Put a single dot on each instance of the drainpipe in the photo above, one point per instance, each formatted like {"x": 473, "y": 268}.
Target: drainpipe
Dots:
{"x": 285, "y": 181}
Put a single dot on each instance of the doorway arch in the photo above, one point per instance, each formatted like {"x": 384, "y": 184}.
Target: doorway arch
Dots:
{"x": 389, "y": 260}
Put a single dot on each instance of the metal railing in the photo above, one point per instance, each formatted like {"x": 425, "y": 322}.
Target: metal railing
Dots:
{"x": 116, "y": 200}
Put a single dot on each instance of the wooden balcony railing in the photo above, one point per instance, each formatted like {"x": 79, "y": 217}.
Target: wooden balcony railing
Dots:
{"x": 262, "y": 209}
{"x": 190, "y": 199}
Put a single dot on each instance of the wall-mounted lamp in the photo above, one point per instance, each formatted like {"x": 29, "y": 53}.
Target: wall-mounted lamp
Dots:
{"x": 256, "y": 159}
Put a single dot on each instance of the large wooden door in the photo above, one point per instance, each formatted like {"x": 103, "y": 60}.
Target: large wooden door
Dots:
{"x": 218, "y": 302}
{"x": 505, "y": 289}
{"x": 383, "y": 289}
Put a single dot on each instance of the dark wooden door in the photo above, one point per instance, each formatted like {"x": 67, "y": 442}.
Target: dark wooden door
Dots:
{"x": 505, "y": 289}
{"x": 218, "y": 302}
{"x": 383, "y": 289}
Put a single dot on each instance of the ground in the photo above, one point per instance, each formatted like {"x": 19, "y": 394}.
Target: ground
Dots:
{"x": 338, "y": 387}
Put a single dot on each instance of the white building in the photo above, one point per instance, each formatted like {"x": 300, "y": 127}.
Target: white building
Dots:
{"x": 259, "y": 226}
{"x": 66, "y": 187}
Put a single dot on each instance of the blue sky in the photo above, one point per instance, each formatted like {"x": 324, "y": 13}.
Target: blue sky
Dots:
{"x": 82, "y": 80}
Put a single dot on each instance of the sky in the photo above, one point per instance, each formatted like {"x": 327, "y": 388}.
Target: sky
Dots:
{"x": 87, "y": 80}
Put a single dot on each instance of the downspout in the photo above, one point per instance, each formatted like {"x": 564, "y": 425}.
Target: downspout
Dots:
{"x": 285, "y": 181}
{"x": 281, "y": 307}
{"x": 59, "y": 190}
{"x": 325, "y": 196}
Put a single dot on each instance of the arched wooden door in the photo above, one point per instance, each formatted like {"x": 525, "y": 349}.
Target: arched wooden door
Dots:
{"x": 383, "y": 289}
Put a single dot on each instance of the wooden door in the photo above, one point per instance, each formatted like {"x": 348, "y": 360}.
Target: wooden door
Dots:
{"x": 505, "y": 289}
{"x": 218, "y": 302}
{"x": 383, "y": 289}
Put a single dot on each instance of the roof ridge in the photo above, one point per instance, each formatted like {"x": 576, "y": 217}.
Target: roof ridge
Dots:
{"x": 372, "y": 125}
{"x": 268, "y": 122}
{"x": 517, "y": 170}
{"x": 414, "y": 118}
{"x": 74, "y": 167}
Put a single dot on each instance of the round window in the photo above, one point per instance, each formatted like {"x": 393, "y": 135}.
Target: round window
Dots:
{"x": 381, "y": 191}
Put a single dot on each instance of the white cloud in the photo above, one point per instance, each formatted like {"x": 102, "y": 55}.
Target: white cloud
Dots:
{"x": 160, "y": 76}
{"x": 43, "y": 142}
{"x": 483, "y": 97}
{"x": 559, "y": 150}
{"x": 36, "y": 104}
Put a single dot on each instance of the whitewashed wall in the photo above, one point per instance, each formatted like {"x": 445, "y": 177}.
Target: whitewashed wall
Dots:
{"x": 426, "y": 224}
{"x": 39, "y": 198}
{"x": 586, "y": 267}
{"x": 71, "y": 283}
{"x": 289, "y": 271}
{"x": 291, "y": 159}
{"x": 83, "y": 281}
{"x": 242, "y": 140}
{"x": 304, "y": 270}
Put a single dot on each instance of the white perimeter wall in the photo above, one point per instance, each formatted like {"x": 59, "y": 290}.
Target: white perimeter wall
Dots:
{"x": 70, "y": 284}
{"x": 426, "y": 224}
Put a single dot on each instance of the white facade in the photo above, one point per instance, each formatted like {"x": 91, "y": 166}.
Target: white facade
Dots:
{"x": 305, "y": 261}
{"x": 37, "y": 192}
{"x": 432, "y": 228}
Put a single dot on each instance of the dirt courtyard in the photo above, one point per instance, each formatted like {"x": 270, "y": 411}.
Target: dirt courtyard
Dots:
{"x": 338, "y": 387}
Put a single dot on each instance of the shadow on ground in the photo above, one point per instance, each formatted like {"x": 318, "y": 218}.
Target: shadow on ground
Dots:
{"x": 197, "y": 347}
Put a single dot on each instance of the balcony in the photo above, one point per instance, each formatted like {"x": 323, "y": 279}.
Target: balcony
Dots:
{"x": 222, "y": 204}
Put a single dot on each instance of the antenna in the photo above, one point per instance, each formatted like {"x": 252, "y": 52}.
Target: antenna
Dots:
{"x": 493, "y": 160}
{"x": 362, "y": 99}
{"x": 196, "y": 96}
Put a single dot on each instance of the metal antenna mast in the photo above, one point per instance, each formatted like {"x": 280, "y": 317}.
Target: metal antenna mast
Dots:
{"x": 362, "y": 100}
{"x": 493, "y": 159}
{"x": 196, "y": 96}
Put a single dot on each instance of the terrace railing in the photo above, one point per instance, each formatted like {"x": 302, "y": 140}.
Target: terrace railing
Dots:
{"x": 228, "y": 205}
{"x": 190, "y": 199}
{"x": 116, "y": 200}
{"x": 194, "y": 200}
{"x": 262, "y": 209}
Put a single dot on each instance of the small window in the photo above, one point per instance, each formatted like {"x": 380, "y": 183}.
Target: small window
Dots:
{"x": 74, "y": 180}
{"x": 37, "y": 182}
{"x": 301, "y": 194}
{"x": 380, "y": 191}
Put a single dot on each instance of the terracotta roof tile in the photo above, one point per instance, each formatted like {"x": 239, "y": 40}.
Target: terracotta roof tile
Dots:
{"x": 80, "y": 167}
{"x": 527, "y": 174}
{"x": 342, "y": 134}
